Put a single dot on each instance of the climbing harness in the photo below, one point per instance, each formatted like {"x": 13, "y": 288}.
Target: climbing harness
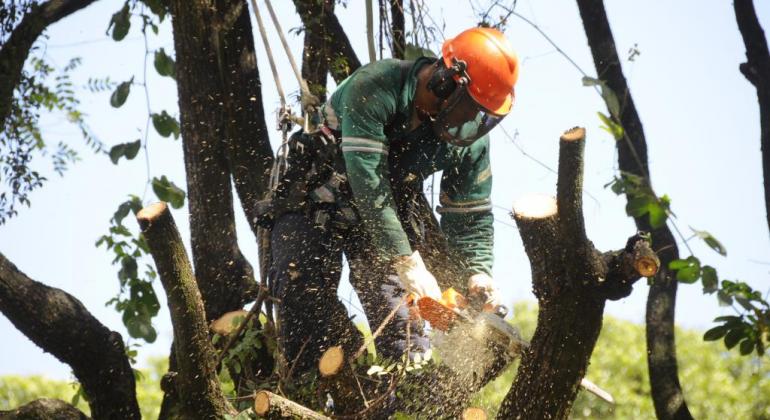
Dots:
{"x": 285, "y": 117}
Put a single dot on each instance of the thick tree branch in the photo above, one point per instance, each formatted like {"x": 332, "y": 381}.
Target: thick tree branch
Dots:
{"x": 16, "y": 49}
{"x": 196, "y": 380}
{"x": 46, "y": 315}
{"x": 225, "y": 278}
{"x": 341, "y": 57}
{"x": 45, "y": 408}
{"x": 572, "y": 281}
{"x": 757, "y": 71}
{"x": 632, "y": 158}
{"x": 569, "y": 186}
{"x": 397, "y": 29}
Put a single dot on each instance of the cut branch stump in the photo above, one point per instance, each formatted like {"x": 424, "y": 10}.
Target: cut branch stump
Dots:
{"x": 196, "y": 379}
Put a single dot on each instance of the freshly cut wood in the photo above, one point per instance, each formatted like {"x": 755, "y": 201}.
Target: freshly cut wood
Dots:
{"x": 338, "y": 380}
{"x": 273, "y": 406}
{"x": 474, "y": 413}
{"x": 225, "y": 325}
{"x": 331, "y": 361}
{"x": 646, "y": 262}
{"x": 535, "y": 206}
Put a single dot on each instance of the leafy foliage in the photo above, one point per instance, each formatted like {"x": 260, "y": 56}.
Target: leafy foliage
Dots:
{"x": 136, "y": 300}
{"x": 641, "y": 200}
{"x": 19, "y": 390}
{"x": 120, "y": 23}
{"x": 127, "y": 150}
{"x": 120, "y": 94}
{"x": 41, "y": 88}
{"x": 732, "y": 386}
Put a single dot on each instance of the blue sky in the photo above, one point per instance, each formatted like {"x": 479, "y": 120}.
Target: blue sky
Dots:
{"x": 700, "y": 117}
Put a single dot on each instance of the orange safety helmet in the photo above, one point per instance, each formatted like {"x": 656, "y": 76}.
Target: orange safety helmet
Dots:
{"x": 492, "y": 66}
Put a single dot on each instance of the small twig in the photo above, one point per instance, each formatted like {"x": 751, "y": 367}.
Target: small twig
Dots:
{"x": 296, "y": 359}
{"x": 378, "y": 331}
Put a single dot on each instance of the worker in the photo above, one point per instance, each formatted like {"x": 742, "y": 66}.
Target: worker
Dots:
{"x": 386, "y": 128}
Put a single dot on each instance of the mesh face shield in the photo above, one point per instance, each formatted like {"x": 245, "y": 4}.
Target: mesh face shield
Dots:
{"x": 462, "y": 121}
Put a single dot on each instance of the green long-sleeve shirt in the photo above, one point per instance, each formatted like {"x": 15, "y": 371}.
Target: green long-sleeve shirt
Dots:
{"x": 372, "y": 109}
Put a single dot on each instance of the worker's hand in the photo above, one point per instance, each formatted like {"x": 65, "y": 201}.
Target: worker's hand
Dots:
{"x": 481, "y": 289}
{"x": 415, "y": 278}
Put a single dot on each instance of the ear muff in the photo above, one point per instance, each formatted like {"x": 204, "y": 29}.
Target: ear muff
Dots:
{"x": 442, "y": 82}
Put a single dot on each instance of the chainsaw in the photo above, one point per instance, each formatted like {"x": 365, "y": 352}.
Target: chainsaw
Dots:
{"x": 472, "y": 337}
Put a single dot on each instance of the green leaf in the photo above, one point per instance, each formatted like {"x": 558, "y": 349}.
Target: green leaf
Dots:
{"x": 709, "y": 279}
{"x": 613, "y": 104}
{"x": 165, "y": 125}
{"x": 734, "y": 336}
{"x": 610, "y": 126}
{"x": 711, "y": 241}
{"x": 413, "y": 52}
{"x": 658, "y": 215}
{"x": 168, "y": 191}
{"x": 157, "y": 7}
{"x": 747, "y": 346}
{"x": 128, "y": 268}
{"x": 127, "y": 150}
{"x": 725, "y": 299}
{"x": 122, "y": 212}
{"x": 164, "y": 64}
{"x": 715, "y": 333}
{"x": 120, "y": 23}
{"x": 638, "y": 205}
{"x": 119, "y": 96}
{"x": 687, "y": 270}
{"x": 139, "y": 328}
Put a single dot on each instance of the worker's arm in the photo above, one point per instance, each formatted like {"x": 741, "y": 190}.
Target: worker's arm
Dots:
{"x": 466, "y": 208}
{"x": 368, "y": 108}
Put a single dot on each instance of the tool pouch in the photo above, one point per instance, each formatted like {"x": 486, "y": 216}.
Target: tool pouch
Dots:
{"x": 314, "y": 183}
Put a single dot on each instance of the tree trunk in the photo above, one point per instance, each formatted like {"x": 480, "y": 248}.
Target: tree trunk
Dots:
{"x": 571, "y": 281}
{"x": 632, "y": 158}
{"x": 196, "y": 381}
{"x": 398, "y": 46}
{"x": 342, "y": 59}
{"x": 225, "y": 278}
{"x": 96, "y": 355}
{"x": 757, "y": 70}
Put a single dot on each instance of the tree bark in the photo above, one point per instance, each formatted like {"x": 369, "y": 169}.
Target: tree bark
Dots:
{"x": 757, "y": 70}
{"x": 15, "y": 50}
{"x": 571, "y": 281}
{"x": 196, "y": 380}
{"x": 44, "y": 408}
{"x": 246, "y": 143}
{"x": 221, "y": 137}
{"x": 46, "y": 315}
{"x": 397, "y": 29}
{"x": 632, "y": 158}
{"x": 225, "y": 277}
{"x": 340, "y": 56}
